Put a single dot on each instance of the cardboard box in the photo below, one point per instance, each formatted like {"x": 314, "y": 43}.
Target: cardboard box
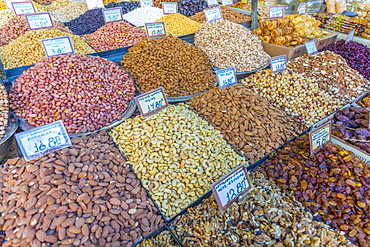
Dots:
{"x": 277, "y": 50}
{"x": 322, "y": 43}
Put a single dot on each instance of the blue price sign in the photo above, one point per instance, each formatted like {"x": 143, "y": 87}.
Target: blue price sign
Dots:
{"x": 276, "y": 12}
{"x": 43, "y": 140}
{"x": 227, "y": 2}
{"x": 212, "y": 3}
{"x": 228, "y": 188}
{"x": 213, "y": 14}
{"x": 169, "y": 8}
{"x": 144, "y": 3}
{"x": 155, "y": 30}
{"x": 39, "y": 20}
{"x": 112, "y": 14}
{"x": 151, "y": 102}
{"x": 57, "y": 46}
{"x": 22, "y": 8}
{"x": 320, "y": 136}
{"x": 302, "y": 9}
{"x": 226, "y": 77}
{"x": 311, "y": 47}
{"x": 278, "y": 63}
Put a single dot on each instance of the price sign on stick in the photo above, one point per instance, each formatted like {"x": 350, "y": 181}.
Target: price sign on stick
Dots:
{"x": 311, "y": 47}
{"x": 226, "y": 77}
{"x": 213, "y": 14}
{"x": 43, "y": 140}
{"x": 278, "y": 63}
{"x": 276, "y": 12}
{"x": 350, "y": 36}
{"x": 169, "y": 8}
{"x": 228, "y": 188}
{"x": 39, "y": 20}
{"x": 212, "y": 3}
{"x": 22, "y": 8}
{"x": 151, "y": 102}
{"x": 320, "y": 136}
{"x": 57, "y": 46}
{"x": 302, "y": 9}
{"x": 155, "y": 30}
{"x": 227, "y": 2}
{"x": 112, "y": 15}
{"x": 144, "y": 3}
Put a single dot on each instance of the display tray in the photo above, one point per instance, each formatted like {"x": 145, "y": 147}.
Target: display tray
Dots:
{"x": 6, "y": 141}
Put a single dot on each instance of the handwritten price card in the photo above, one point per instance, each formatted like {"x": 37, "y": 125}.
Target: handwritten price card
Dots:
{"x": 8, "y": 3}
{"x": 350, "y": 36}
{"x": 58, "y": 46}
{"x": 319, "y": 137}
{"x": 22, "y": 8}
{"x": 144, "y": 3}
{"x": 311, "y": 47}
{"x": 112, "y": 15}
{"x": 230, "y": 187}
{"x": 302, "y": 9}
{"x": 94, "y": 4}
{"x": 227, "y": 2}
{"x": 276, "y": 12}
{"x": 43, "y": 140}
{"x": 155, "y": 30}
{"x": 226, "y": 77}
{"x": 212, "y": 3}
{"x": 213, "y": 14}
{"x": 278, "y": 63}
{"x": 169, "y": 8}
{"x": 39, "y": 20}
{"x": 151, "y": 102}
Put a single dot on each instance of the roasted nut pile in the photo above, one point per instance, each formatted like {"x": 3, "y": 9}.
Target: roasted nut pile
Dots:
{"x": 138, "y": 17}
{"x": 5, "y": 16}
{"x": 4, "y": 110}
{"x": 163, "y": 239}
{"x": 27, "y": 49}
{"x": 352, "y": 125}
{"x": 333, "y": 184}
{"x": 179, "y": 25}
{"x": 299, "y": 96}
{"x": 170, "y": 62}
{"x": 343, "y": 82}
{"x": 126, "y": 6}
{"x": 231, "y": 45}
{"x": 191, "y": 7}
{"x": 87, "y": 23}
{"x": 115, "y": 35}
{"x": 176, "y": 154}
{"x": 71, "y": 11}
{"x": 246, "y": 120}
{"x": 263, "y": 217}
{"x": 86, "y": 93}
{"x": 18, "y": 26}
{"x": 227, "y": 14}
{"x": 84, "y": 195}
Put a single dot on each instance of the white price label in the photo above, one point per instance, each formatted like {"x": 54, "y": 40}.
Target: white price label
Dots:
{"x": 276, "y": 12}
{"x": 57, "y": 46}
{"x": 213, "y": 14}
{"x": 212, "y": 3}
{"x": 230, "y": 187}
{"x": 144, "y": 3}
{"x": 302, "y": 9}
{"x": 226, "y": 77}
{"x": 8, "y": 3}
{"x": 43, "y": 140}
{"x": 22, "y": 8}
{"x": 350, "y": 36}
{"x": 39, "y": 20}
{"x": 94, "y": 4}
{"x": 155, "y": 30}
{"x": 227, "y": 2}
{"x": 278, "y": 63}
{"x": 169, "y": 8}
{"x": 311, "y": 47}
{"x": 112, "y": 15}
{"x": 151, "y": 102}
{"x": 320, "y": 136}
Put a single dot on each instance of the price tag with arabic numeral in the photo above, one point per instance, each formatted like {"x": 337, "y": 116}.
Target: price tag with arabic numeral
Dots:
{"x": 212, "y": 3}
{"x": 169, "y": 8}
{"x": 278, "y": 63}
{"x": 311, "y": 47}
{"x": 227, "y": 2}
{"x": 22, "y": 8}
{"x": 302, "y": 9}
{"x": 155, "y": 30}
{"x": 228, "y": 188}
{"x": 276, "y": 12}
{"x": 213, "y": 14}
{"x": 320, "y": 136}
{"x": 350, "y": 36}
{"x": 112, "y": 14}
{"x": 39, "y": 21}
{"x": 144, "y": 3}
{"x": 57, "y": 46}
{"x": 151, "y": 102}
{"x": 43, "y": 140}
{"x": 226, "y": 77}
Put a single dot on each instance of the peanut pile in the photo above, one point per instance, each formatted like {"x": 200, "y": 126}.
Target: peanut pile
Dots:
{"x": 4, "y": 110}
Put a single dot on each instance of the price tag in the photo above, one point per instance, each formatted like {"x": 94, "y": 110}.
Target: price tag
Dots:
{"x": 302, "y": 9}
{"x": 319, "y": 137}
{"x": 213, "y": 14}
{"x": 39, "y": 20}
{"x": 169, "y": 8}
{"x": 151, "y": 102}
{"x": 228, "y": 188}
{"x": 112, "y": 15}
{"x": 227, "y": 2}
{"x": 212, "y": 3}
{"x": 144, "y": 3}
{"x": 58, "y": 46}
{"x": 155, "y": 30}
{"x": 8, "y": 3}
{"x": 22, "y": 8}
{"x": 94, "y": 4}
{"x": 278, "y": 63}
{"x": 276, "y": 12}
{"x": 311, "y": 47}
{"x": 226, "y": 77}
{"x": 43, "y": 140}
{"x": 350, "y": 36}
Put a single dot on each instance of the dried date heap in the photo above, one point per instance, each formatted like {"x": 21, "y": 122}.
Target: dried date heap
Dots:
{"x": 84, "y": 195}
{"x": 264, "y": 217}
{"x": 333, "y": 184}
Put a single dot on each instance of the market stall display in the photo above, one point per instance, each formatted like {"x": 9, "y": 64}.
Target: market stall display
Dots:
{"x": 227, "y": 14}
{"x": 263, "y": 217}
{"x": 171, "y": 63}
{"x": 126, "y": 6}
{"x": 176, "y": 154}
{"x": 83, "y": 195}
{"x": 179, "y": 25}
{"x": 4, "y": 110}
{"x": 87, "y": 23}
{"x": 139, "y": 16}
{"x": 246, "y": 120}
{"x": 191, "y": 7}
{"x": 71, "y": 11}
{"x": 86, "y": 93}
{"x": 231, "y": 45}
